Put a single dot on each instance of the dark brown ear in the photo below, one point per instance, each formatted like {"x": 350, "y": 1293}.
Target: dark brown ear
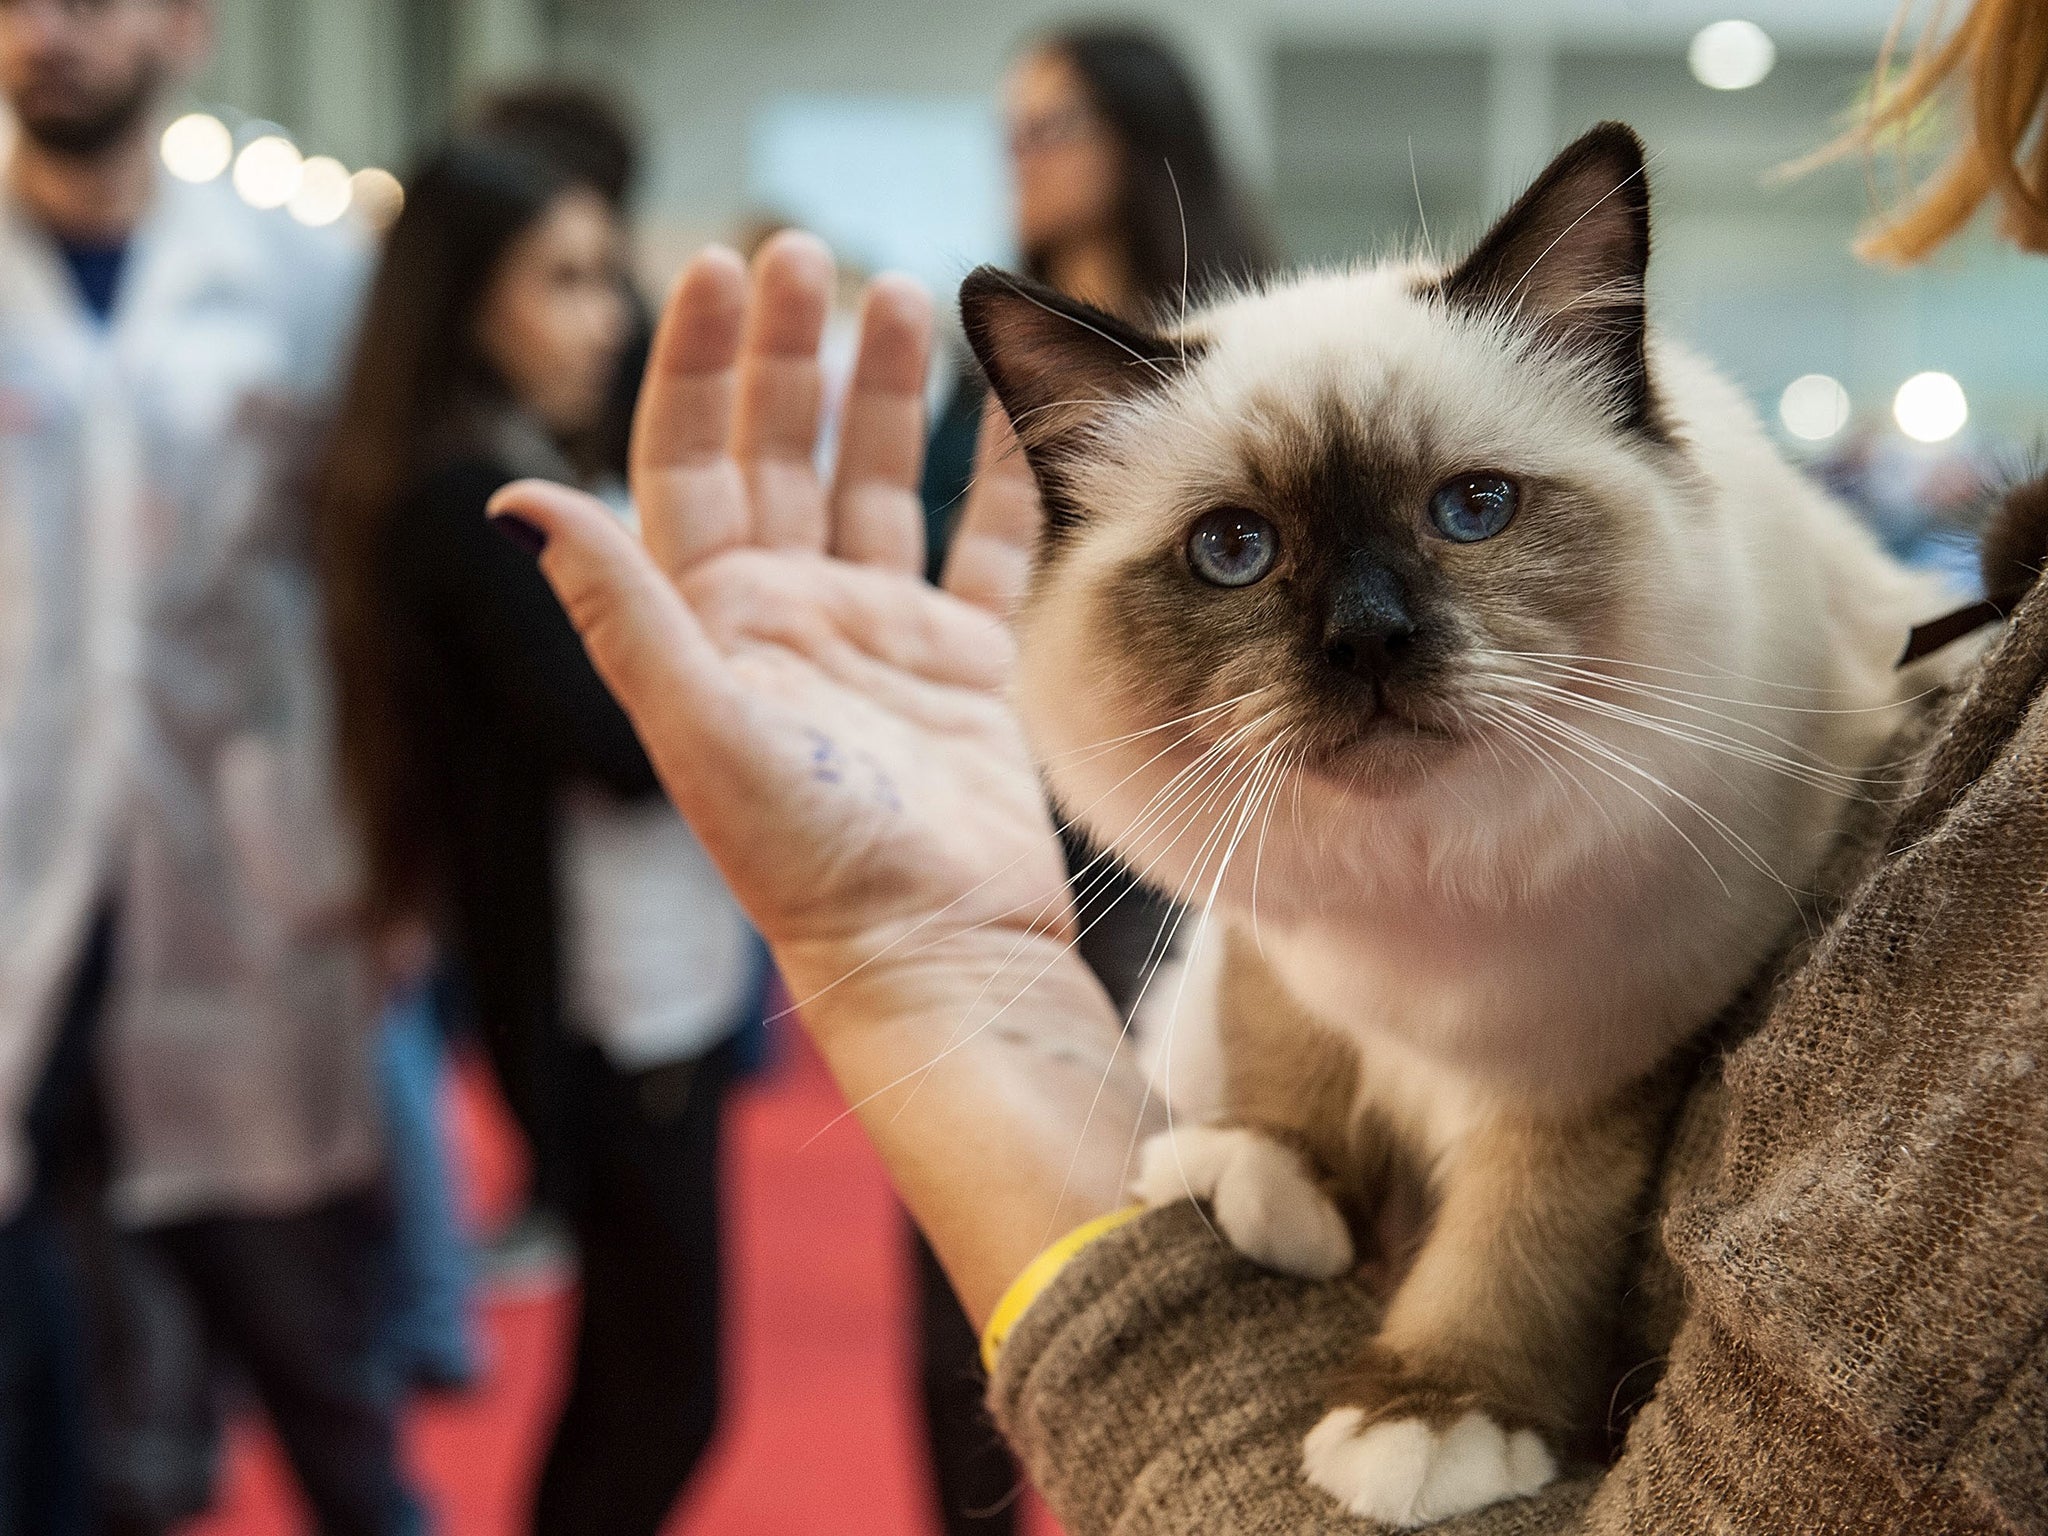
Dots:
{"x": 1569, "y": 260}
{"x": 1055, "y": 363}
{"x": 2015, "y": 543}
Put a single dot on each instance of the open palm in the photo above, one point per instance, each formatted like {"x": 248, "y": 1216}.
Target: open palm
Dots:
{"x": 835, "y": 730}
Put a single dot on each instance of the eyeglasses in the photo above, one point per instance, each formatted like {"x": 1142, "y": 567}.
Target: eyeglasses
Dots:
{"x": 1051, "y": 130}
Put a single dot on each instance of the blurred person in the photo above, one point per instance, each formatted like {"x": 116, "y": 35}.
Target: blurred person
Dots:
{"x": 583, "y": 127}
{"x": 65, "y": 662}
{"x": 587, "y": 129}
{"x": 1122, "y": 197}
{"x": 576, "y": 124}
{"x": 164, "y": 355}
{"x": 505, "y": 799}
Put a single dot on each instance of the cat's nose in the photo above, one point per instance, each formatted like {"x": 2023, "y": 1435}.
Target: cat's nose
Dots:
{"x": 1368, "y": 627}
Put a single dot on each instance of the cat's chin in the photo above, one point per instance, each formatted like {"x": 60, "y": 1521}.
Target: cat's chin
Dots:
{"x": 1381, "y": 758}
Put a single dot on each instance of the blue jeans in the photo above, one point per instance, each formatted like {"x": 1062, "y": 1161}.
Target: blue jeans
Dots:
{"x": 431, "y": 1334}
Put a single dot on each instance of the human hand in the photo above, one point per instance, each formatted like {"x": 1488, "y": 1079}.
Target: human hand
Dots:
{"x": 834, "y": 729}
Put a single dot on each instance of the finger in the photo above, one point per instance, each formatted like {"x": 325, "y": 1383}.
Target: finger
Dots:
{"x": 782, "y": 389}
{"x": 877, "y": 515}
{"x": 990, "y": 561}
{"x": 688, "y": 489}
{"x": 642, "y": 637}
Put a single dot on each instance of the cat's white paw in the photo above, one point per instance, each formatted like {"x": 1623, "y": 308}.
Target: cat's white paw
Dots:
{"x": 1403, "y": 1473}
{"x": 1263, "y": 1199}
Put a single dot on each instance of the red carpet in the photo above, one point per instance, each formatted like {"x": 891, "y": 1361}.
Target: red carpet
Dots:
{"x": 819, "y": 1435}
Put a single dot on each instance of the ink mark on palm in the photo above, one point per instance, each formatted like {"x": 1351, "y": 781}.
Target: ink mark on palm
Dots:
{"x": 832, "y": 765}
{"x": 828, "y": 763}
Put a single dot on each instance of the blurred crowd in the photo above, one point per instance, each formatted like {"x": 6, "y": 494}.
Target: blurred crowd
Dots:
{"x": 305, "y": 782}
{"x": 308, "y": 782}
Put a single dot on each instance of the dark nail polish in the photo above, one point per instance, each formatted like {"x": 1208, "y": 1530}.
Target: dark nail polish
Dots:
{"x": 520, "y": 532}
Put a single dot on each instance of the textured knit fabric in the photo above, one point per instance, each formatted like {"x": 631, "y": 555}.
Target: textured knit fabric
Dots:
{"x": 1842, "y": 1311}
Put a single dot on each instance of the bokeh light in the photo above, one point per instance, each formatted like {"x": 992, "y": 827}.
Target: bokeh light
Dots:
{"x": 1814, "y": 407}
{"x": 268, "y": 170}
{"x": 197, "y": 147}
{"x": 1930, "y": 407}
{"x": 1731, "y": 55}
{"x": 378, "y": 196}
{"x": 325, "y": 191}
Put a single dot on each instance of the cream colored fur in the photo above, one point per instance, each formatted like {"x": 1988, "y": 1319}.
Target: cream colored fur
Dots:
{"x": 1494, "y": 928}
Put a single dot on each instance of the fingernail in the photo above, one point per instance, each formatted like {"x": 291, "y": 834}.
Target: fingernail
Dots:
{"x": 520, "y": 532}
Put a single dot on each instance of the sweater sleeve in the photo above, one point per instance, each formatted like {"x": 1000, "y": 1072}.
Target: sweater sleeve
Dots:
{"x": 1162, "y": 1384}
{"x": 498, "y": 616}
{"x": 1856, "y": 1229}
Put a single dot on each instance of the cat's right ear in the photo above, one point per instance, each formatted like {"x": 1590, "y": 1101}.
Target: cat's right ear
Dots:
{"x": 1056, "y": 363}
{"x": 1569, "y": 261}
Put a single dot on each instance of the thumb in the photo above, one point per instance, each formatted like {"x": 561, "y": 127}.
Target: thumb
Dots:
{"x": 642, "y": 637}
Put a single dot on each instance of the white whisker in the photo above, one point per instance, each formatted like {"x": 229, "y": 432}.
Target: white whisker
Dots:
{"x": 1544, "y": 724}
{"x": 1191, "y": 808}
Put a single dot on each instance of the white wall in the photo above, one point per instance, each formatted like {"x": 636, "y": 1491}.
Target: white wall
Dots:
{"x": 699, "y": 67}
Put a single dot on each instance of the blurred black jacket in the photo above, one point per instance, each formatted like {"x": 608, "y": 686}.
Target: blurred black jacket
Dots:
{"x": 505, "y": 712}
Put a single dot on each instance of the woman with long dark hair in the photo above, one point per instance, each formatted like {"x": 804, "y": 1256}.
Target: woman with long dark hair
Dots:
{"x": 506, "y": 805}
{"x": 1123, "y": 198}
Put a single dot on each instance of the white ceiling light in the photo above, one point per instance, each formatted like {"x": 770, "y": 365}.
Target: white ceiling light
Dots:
{"x": 325, "y": 191}
{"x": 1731, "y": 55}
{"x": 1930, "y": 407}
{"x": 197, "y": 147}
{"x": 378, "y": 196}
{"x": 1814, "y": 407}
{"x": 267, "y": 171}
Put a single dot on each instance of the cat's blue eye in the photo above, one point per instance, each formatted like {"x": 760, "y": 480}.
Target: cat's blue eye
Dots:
{"x": 1232, "y": 547}
{"x": 1473, "y": 507}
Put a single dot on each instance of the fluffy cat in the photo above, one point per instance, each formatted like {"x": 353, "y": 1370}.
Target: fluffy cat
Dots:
{"x": 1462, "y": 648}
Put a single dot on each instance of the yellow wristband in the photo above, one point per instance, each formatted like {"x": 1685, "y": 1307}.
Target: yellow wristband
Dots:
{"x": 1040, "y": 1273}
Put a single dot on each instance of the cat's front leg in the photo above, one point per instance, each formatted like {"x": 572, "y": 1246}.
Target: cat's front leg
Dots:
{"x": 1494, "y": 1346}
{"x": 1283, "y": 1150}
{"x": 1265, "y": 1196}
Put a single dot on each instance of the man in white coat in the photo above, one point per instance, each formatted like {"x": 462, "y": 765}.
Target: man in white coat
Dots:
{"x": 165, "y": 356}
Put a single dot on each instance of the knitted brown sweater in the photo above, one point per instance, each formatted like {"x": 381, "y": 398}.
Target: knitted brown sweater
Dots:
{"x": 1842, "y": 1310}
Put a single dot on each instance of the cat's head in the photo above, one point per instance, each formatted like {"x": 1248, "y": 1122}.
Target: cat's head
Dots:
{"x": 1311, "y": 521}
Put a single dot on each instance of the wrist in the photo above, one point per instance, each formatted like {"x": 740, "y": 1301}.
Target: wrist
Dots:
{"x": 915, "y": 981}
{"x": 989, "y": 1075}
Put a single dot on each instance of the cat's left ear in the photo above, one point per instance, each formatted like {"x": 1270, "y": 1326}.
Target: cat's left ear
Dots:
{"x": 1056, "y": 364}
{"x": 1569, "y": 260}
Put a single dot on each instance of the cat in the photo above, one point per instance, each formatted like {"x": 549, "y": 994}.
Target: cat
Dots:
{"x": 1462, "y": 649}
